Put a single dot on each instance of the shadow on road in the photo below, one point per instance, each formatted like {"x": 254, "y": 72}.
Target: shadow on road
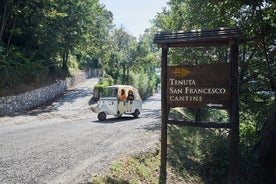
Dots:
{"x": 153, "y": 126}
{"x": 69, "y": 96}
{"x": 149, "y": 113}
{"x": 152, "y": 99}
{"x": 115, "y": 119}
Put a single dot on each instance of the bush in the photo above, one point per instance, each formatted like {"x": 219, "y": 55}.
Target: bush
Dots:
{"x": 144, "y": 83}
{"x": 14, "y": 74}
{"x": 102, "y": 83}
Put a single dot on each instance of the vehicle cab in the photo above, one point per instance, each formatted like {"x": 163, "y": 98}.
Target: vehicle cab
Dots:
{"x": 118, "y": 100}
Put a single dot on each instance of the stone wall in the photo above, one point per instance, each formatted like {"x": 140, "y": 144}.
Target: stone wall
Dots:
{"x": 31, "y": 99}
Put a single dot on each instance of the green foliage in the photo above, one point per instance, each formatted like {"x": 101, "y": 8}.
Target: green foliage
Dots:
{"x": 103, "y": 82}
{"x": 131, "y": 62}
{"x": 215, "y": 148}
{"x": 16, "y": 73}
{"x": 248, "y": 130}
{"x": 50, "y": 35}
{"x": 202, "y": 154}
{"x": 141, "y": 169}
{"x": 197, "y": 154}
{"x": 257, "y": 71}
{"x": 145, "y": 83}
{"x": 63, "y": 36}
{"x": 257, "y": 66}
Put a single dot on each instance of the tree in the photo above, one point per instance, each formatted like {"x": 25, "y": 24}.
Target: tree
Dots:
{"x": 121, "y": 43}
{"x": 38, "y": 38}
{"x": 257, "y": 63}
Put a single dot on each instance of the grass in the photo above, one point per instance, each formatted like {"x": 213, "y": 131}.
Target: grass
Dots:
{"x": 131, "y": 170}
{"x": 144, "y": 169}
{"x": 195, "y": 155}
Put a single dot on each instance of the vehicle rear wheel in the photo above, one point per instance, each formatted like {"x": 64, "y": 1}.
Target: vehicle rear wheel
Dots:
{"x": 136, "y": 114}
{"x": 101, "y": 116}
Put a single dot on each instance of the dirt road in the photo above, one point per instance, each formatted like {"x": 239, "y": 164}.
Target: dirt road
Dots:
{"x": 65, "y": 143}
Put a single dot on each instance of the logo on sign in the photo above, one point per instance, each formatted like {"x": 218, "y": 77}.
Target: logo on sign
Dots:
{"x": 180, "y": 72}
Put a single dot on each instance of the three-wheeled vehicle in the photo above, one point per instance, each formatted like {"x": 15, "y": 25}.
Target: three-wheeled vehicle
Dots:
{"x": 118, "y": 100}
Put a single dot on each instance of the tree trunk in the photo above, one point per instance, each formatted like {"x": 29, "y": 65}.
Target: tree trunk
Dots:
{"x": 124, "y": 73}
{"x": 13, "y": 26}
{"x": 267, "y": 147}
{"x": 4, "y": 20}
{"x": 65, "y": 57}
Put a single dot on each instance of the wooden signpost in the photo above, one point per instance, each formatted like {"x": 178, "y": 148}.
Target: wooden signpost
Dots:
{"x": 198, "y": 86}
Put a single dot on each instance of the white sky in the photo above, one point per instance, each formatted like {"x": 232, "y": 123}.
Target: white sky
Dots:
{"x": 134, "y": 15}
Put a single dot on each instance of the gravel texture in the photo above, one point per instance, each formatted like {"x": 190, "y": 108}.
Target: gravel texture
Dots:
{"x": 63, "y": 141}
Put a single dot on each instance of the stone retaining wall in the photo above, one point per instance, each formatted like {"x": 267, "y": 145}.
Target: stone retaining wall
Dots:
{"x": 31, "y": 99}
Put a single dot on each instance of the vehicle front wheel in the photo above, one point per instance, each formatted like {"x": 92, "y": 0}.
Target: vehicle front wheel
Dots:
{"x": 101, "y": 116}
{"x": 136, "y": 114}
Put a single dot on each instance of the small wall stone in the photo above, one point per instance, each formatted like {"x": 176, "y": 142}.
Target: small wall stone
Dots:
{"x": 31, "y": 99}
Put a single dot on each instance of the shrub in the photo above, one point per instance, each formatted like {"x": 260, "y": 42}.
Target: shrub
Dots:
{"x": 98, "y": 88}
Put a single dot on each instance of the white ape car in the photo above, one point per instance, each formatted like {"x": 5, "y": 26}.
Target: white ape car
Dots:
{"x": 118, "y": 100}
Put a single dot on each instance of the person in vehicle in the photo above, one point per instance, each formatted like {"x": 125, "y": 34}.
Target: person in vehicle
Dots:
{"x": 130, "y": 98}
{"x": 130, "y": 95}
{"x": 123, "y": 94}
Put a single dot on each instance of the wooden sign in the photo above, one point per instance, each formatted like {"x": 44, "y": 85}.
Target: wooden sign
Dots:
{"x": 214, "y": 85}
{"x": 198, "y": 86}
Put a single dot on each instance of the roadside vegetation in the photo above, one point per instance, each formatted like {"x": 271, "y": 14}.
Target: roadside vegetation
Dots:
{"x": 140, "y": 169}
{"x": 257, "y": 82}
{"x": 201, "y": 155}
{"x": 195, "y": 155}
{"x": 48, "y": 40}
{"x": 43, "y": 41}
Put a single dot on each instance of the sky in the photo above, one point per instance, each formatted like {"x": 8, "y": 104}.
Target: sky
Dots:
{"x": 134, "y": 15}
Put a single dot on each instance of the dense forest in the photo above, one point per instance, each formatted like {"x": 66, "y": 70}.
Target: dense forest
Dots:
{"x": 45, "y": 40}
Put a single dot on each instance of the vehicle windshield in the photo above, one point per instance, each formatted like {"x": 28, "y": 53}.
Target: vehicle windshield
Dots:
{"x": 109, "y": 92}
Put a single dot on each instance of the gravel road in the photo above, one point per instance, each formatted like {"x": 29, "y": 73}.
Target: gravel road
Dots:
{"x": 63, "y": 142}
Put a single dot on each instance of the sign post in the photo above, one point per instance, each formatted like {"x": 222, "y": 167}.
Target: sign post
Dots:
{"x": 234, "y": 115}
{"x": 164, "y": 114}
{"x": 198, "y": 86}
